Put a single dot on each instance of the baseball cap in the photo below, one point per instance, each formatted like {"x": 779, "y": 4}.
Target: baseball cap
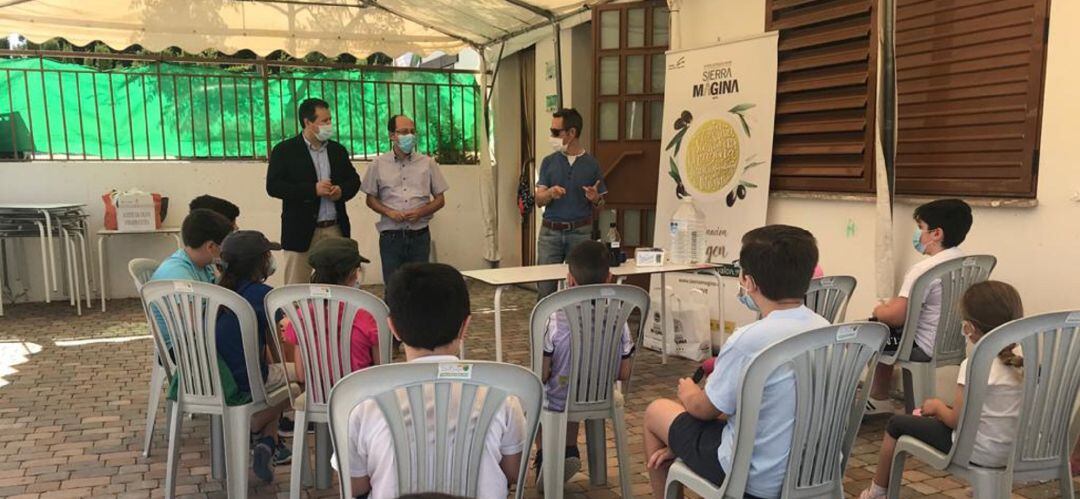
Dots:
{"x": 337, "y": 253}
{"x": 246, "y": 243}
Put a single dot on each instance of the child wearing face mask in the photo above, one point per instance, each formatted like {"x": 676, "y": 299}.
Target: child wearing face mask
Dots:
{"x": 777, "y": 262}
{"x": 984, "y": 307}
{"x": 338, "y": 261}
{"x": 940, "y": 227}
{"x": 246, "y": 264}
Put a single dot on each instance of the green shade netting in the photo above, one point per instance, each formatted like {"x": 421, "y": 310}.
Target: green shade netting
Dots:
{"x": 171, "y": 111}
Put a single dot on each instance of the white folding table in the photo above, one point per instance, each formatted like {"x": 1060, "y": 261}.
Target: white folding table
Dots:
{"x": 509, "y": 276}
{"x": 105, "y": 234}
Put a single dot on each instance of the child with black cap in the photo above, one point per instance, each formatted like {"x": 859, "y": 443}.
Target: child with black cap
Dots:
{"x": 337, "y": 260}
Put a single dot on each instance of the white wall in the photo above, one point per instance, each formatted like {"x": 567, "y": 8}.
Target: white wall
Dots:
{"x": 455, "y": 230}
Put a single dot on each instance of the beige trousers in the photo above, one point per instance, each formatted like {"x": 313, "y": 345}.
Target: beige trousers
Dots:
{"x": 297, "y": 270}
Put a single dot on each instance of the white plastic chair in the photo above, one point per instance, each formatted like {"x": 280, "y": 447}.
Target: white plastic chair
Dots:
{"x": 322, "y": 316}
{"x": 827, "y": 364}
{"x": 828, "y": 296}
{"x": 190, "y": 310}
{"x": 597, "y": 315}
{"x": 141, "y": 269}
{"x": 458, "y": 401}
{"x": 1051, "y": 348}
{"x": 955, "y": 276}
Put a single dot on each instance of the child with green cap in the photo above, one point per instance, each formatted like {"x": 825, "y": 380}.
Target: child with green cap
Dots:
{"x": 337, "y": 260}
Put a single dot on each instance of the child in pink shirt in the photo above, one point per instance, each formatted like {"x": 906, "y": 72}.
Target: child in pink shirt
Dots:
{"x": 337, "y": 261}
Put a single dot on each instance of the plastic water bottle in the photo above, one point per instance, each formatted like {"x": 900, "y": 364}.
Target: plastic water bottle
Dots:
{"x": 614, "y": 244}
{"x": 687, "y": 234}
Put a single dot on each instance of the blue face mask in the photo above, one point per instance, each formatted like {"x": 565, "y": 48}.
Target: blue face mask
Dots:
{"x": 917, "y": 242}
{"x": 407, "y": 143}
{"x": 747, "y": 300}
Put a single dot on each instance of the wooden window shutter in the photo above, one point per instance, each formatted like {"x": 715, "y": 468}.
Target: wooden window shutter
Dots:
{"x": 826, "y": 84}
{"x": 969, "y": 79}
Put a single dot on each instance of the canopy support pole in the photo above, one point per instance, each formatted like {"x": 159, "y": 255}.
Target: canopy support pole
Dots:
{"x": 558, "y": 64}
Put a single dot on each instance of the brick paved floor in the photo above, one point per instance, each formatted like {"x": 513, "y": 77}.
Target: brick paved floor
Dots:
{"x": 73, "y": 395}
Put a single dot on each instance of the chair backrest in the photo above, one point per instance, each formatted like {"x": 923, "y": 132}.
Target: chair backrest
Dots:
{"x": 828, "y": 296}
{"x": 439, "y": 414}
{"x": 1050, "y": 344}
{"x": 955, "y": 277}
{"x": 596, "y": 315}
{"x": 322, "y": 316}
{"x": 190, "y": 310}
{"x": 827, "y": 365}
{"x": 141, "y": 269}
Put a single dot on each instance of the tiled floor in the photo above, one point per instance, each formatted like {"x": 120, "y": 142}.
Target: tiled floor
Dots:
{"x": 73, "y": 394}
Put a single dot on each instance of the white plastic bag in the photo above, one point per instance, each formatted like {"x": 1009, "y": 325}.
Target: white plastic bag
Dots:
{"x": 691, "y": 336}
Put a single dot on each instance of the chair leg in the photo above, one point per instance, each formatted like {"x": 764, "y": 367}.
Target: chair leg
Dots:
{"x": 896, "y": 475}
{"x": 300, "y": 462}
{"x": 237, "y": 429}
{"x": 618, "y": 422}
{"x": 157, "y": 380}
{"x": 596, "y": 449}
{"x": 175, "y": 420}
{"x": 553, "y": 443}
{"x": 1065, "y": 481}
{"x": 989, "y": 485}
{"x": 673, "y": 490}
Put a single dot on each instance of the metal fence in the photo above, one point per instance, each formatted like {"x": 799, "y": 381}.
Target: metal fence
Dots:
{"x": 158, "y": 109}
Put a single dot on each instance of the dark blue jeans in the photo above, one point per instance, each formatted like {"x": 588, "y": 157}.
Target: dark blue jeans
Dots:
{"x": 552, "y": 247}
{"x": 398, "y": 247}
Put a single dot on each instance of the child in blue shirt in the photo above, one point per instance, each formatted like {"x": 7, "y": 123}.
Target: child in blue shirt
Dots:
{"x": 777, "y": 262}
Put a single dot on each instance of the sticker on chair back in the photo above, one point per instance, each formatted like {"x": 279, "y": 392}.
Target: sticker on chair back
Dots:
{"x": 844, "y": 333}
{"x": 827, "y": 281}
{"x": 320, "y": 291}
{"x": 969, "y": 262}
{"x": 1073, "y": 318}
{"x": 607, "y": 292}
{"x": 182, "y": 287}
{"x": 455, "y": 370}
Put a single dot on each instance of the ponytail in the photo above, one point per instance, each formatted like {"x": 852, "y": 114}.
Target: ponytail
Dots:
{"x": 1009, "y": 357}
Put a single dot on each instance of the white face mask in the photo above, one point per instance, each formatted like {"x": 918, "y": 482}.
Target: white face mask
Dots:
{"x": 271, "y": 267}
{"x": 557, "y": 144}
{"x": 324, "y": 133}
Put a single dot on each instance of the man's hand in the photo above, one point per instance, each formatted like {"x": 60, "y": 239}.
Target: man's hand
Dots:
{"x": 592, "y": 193}
{"x": 411, "y": 216}
{"x": 323, "y": 188}
{"x": 557, "y": 192}
{"x": 395, "y": 215}
{"x": 335, "y": 193}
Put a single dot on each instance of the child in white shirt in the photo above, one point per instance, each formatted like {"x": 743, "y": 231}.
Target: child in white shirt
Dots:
{"x": 984, "y": 307}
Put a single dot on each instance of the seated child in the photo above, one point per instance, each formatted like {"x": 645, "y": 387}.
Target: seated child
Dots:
{"x": 337, "y": 260}
{"x": 589, "y": 264}
{"x": 429, "y": 313}
{"x": 247, "y": 264}
{"x": 777, "y": 262}
{"x": 941, "y": 226}
{"x": 984, "y": 306}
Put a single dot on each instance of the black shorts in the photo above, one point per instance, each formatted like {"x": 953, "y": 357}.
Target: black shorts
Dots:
{"x": 696, "y": 443}
{"x": 927, "y": 429}
{"x": 893, "y": 343}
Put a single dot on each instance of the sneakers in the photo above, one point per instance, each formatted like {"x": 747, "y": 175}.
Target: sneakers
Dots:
{"x": 282, "y": 454}
{"x": 874, "y": 492}
{"x": 261, "y": 459}
{"x": 571, "y": 466}
{"x": 285, "y": 427}
{"x": 879, "y": 406}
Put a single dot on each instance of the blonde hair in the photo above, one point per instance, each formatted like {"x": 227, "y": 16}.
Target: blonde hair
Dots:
{"x": 990, "y": 304}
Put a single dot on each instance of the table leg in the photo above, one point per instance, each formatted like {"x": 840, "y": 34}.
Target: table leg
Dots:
{"x": 71, "y": 283}
{"x": 101, "y": 269}
{"x": 44, "y": 261}
{"x": 322, "y": 456}
{"x": 596, "y": 449}
{"x": 85, "y": 268}
{"x": 665, "y": 330}
{"x": 720, "y": 303}
{"x": 217, "y": 448}
{"x": 620, "y": 280}
{"x": 179, "y": 243}
{"x": 498, "y": 323}
{"x": 73, "y": 271}
{"x": 52, "y": 250}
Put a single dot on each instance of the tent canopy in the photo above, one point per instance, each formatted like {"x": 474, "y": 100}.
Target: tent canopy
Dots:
{"x": 299, "y": 27}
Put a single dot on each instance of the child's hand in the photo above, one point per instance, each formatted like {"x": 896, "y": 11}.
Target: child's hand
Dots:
{"x": 659, "y": 458}
{"x": 687, "y": 388}
{"x": 932, "y": 407}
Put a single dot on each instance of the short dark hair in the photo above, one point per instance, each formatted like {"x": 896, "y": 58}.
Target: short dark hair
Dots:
{"x": 952, "y": 216}
{"x": 202, "y": 225}
{"x": 391, "y": 126}
{"x": 571, "y": 119}
{"x": 781, "y": 259}
{"x": 589, "y": 263}
{"x": 216, "y": 204}
{"x": 308, "y": 107}
{"x": 428, "y": 304}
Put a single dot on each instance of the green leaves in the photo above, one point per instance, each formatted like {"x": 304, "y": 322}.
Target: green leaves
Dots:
{"x": 674, "y": 171}
{"x": 676, "y": 141}
{"x": 738, "y": 111}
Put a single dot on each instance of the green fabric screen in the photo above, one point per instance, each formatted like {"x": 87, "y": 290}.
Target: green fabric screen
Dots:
{"x": 171, "y": 111}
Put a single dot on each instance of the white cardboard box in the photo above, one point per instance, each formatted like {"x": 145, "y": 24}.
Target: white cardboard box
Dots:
{"x": 135, "y": 212}
{"x": 649, "y": 257}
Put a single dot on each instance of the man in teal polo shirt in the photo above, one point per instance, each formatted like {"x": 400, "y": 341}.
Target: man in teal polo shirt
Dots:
{"x": 202, "y": 233}
{"x": 570, "y": 187}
